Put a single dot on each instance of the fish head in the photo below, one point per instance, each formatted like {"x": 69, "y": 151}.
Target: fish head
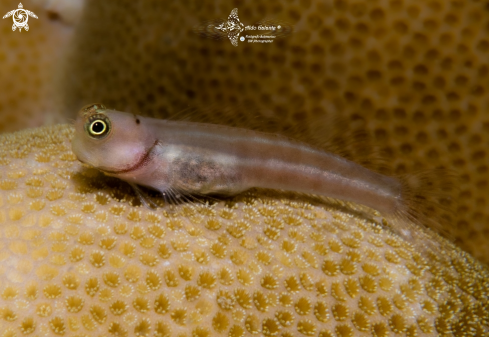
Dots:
{"x": 111, "y": 141}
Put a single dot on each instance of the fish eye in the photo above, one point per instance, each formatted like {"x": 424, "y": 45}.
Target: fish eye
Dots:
{"x": 98, "y": 127}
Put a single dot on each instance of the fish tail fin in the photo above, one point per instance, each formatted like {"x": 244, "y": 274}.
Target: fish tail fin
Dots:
{"x": 426, "y": 200}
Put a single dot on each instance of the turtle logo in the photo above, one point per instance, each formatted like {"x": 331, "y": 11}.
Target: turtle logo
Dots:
{"x": 233, "y": 27}
{"x": 20, "y": 17}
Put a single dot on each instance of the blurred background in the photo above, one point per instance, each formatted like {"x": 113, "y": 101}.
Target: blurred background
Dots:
{"x": 404, "y": 80}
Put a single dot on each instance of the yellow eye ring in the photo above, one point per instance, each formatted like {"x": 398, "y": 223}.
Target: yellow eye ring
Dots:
{"x": 98, "y": 126}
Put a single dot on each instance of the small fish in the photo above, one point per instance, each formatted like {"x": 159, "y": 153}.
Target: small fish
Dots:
{"x": 199, "y": 158}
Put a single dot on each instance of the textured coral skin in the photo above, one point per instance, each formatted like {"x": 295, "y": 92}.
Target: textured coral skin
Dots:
{"x": 79, "y": 258}
{"x": 412, "y": 74}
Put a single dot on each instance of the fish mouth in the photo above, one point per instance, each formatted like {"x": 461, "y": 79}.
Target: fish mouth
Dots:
{"x": 145, "y": 159}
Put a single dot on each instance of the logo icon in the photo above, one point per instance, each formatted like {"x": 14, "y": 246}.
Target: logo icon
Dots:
{"x": 20, "y": 17}
{"x": 233, "y": 27}
{"x": 264, "y": 31}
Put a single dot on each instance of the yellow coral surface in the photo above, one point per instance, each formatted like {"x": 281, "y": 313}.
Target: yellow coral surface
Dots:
{"x": 80, "y": 257}
{"x": 413, "y": 74}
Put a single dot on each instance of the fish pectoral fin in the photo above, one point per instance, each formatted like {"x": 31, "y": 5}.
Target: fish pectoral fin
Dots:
{"x": 144, "y": 200}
